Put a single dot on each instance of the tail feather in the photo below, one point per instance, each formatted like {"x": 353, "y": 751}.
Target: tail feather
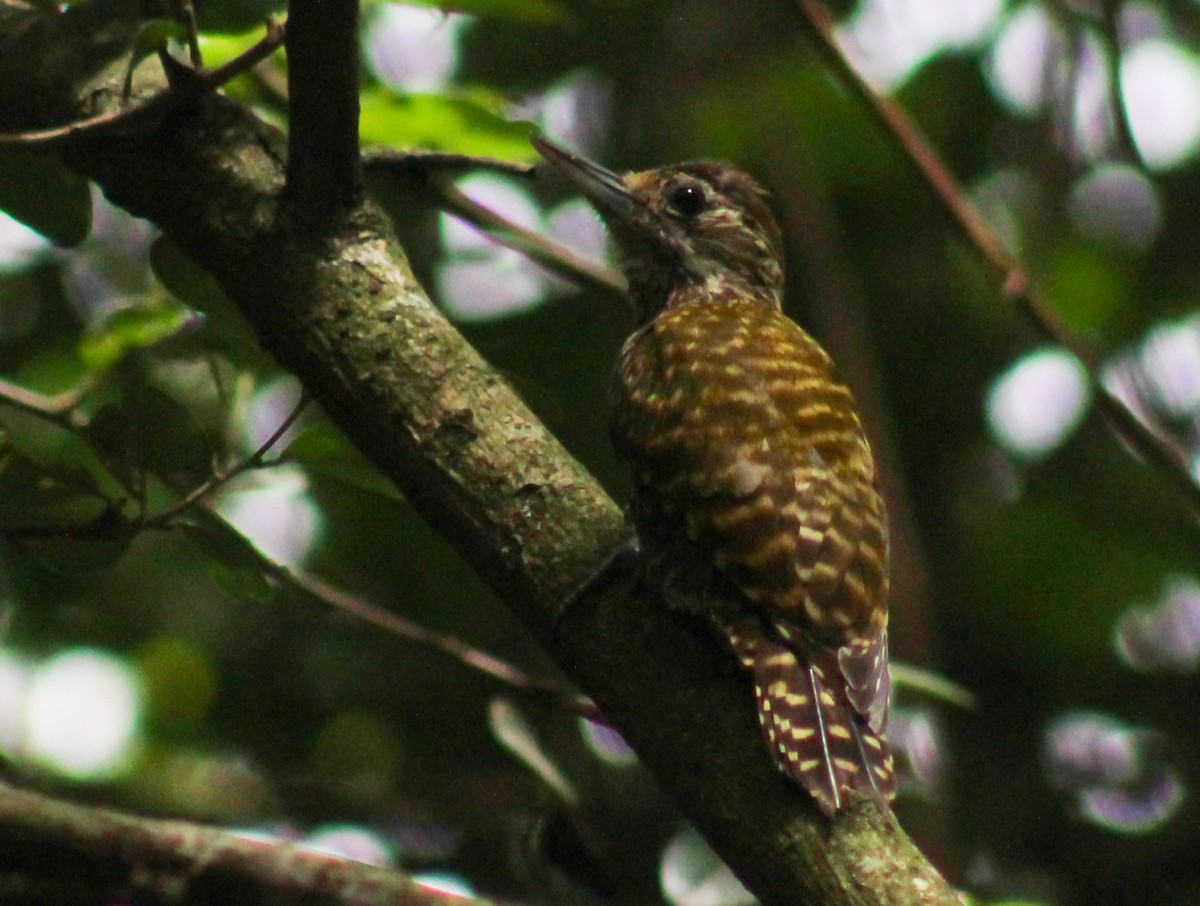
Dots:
{"x": 813, "y": 731}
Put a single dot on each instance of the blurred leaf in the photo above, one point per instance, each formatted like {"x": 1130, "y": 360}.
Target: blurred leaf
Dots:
{"x": 464, "y": 124}
{"x": 230, "y": 560}
{"x": 75, "y": 557}
{"x": 362, "y": 750}
{"x": 225, "y": 330}
{"x": 154, "y": 36}
{"x": 174, "y": 445}
{"x": 1043, "y": 563}
{"x": 57, "y": 456}
{"x": 117, "y": 436}
{"x": 188, "y": 281}
{"x": 46, "y": 494}
{"x": 219, "y": 49}
{"x": 151, "y": 432}
{"x": 45, "y": 196}
{"x": 56, "y": 515}
{"x": 324, "y": 452}
{"x": 180, "y": 679}
{"x": 693, "y": 875}
{"x": 1088, "y": 286}
{"x": 235, "y": 16}
{"x": 130, "y": 328}
{"x": 533, "y": 11}
{"x": 512, "y": 730}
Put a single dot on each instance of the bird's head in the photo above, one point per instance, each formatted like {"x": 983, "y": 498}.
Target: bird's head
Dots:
{"x": 701, "y": 225}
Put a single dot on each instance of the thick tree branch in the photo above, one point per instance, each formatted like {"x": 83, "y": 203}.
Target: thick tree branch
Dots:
{"x": 57, "y": 852}
{"x": 346, "y": 316}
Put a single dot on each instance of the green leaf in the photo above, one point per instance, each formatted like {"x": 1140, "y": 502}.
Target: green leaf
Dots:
{"x": 235, "y": 16}
{"x": 27, "y": 486}
{"x": 115, "y": 434}
{"x": 219, "y": 49}
{"x": 130, "y": 328}
{"x": 532, "y": 11}
{"x": 186, "y": 280}
{"x": 60, "y": 456}
{"x": 1089, "y": 285}
{"x": 326, "y": 454}
{"x": 75, "y": 557}
{"x": 153, "y": 36}
{"x": 174, "y": 446}
{"x": 231, "y": 561}
{"x": 45, "y": 196}
{"x": 189, "y": 282}
{"x": 463, "y": 124}
{"x": 225, "y": 330}
{"x": 58, "y": 503}
{"x": 150, "y": 431}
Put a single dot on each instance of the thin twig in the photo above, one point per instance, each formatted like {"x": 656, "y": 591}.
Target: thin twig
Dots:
{"x": 186, "y": 85}
{"x": 1154, "y": 444}
{"x": 467, "y": 655}
{"x": 324, "y": 169}
{"x": 557, "y": 258}
{"x": 255, "y": 460}
{"x": 188, "y": 9}
{"x": 428, "y": 164}
{"x": 433, "y": 171}
{"x": 111, "y": 521}
{"x": 61, "y": 409}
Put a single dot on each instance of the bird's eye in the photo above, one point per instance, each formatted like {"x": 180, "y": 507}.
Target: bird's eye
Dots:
{"x": 686, "y": 200}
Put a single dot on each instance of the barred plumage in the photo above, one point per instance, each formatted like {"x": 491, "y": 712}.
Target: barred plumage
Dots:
{"x": 754, "y": 491}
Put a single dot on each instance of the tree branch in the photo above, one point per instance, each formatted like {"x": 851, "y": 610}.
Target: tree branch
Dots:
{"x": 324, "y": 176}
{"x": 347, "y": 317}
{"x": 98, "y": 854}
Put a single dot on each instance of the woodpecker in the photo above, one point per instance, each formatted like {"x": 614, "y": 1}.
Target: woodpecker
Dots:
{"x": 754, "y": 492}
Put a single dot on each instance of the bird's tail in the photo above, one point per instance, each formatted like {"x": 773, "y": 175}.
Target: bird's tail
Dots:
{"x": 812, "y": 730}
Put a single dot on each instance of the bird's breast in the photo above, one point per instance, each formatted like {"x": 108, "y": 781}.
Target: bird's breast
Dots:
{"x": 705, "y": 376}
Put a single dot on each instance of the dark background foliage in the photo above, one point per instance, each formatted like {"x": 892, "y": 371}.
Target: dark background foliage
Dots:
{"x": 1054, "y": 580}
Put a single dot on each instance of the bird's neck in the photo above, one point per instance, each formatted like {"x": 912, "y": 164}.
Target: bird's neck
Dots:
{"x": 657, "y": 292}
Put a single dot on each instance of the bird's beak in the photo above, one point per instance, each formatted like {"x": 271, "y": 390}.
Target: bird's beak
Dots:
{"x": 602, "y": 187}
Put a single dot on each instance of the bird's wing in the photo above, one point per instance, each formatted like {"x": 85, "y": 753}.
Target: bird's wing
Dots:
{"x": 757, "y": 452}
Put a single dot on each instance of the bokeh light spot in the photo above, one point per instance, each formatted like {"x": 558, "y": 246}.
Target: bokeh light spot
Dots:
{"x": 1118, "y": 774}
{"x": 413, "y": 48}
{"x": 1164, "y": 636}
{"x": 1170, "y": 362}
{"x": 349, "y": 841}
{"x": 1160, "y": 82}
{"x": 1034, "y": 405}
{"x": 1018, "y": 69}
{"x": 480, "y": 280}
{"x": 19, "y": 245}
{"x": 454, "y": 885}
{"x": 888, "y": 41}
{"x": 1116, "y": 204}
{"x": 607, "y": 744}
{"x": 82, "y": 713}
{"x": 693, "y": 875}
